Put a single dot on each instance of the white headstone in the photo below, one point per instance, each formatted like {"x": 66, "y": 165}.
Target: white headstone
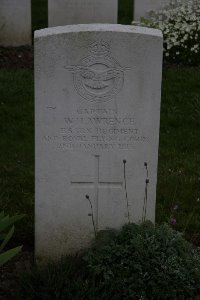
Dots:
{"x": 67, "y": 12}
{"x": 143, "y": 7}
{"x": 15, "y": 22}
{"x": 98, "y": 90}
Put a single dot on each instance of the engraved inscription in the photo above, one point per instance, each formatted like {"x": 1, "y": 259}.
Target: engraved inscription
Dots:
{"x": 98, "y": 77}
{"x": 97, "y": 129}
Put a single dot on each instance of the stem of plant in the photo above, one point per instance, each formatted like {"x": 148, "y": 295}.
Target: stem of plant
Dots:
{"x": 144, "y": 211}
{"x": 126, "y": 194}
{"x": 92, "y": 215}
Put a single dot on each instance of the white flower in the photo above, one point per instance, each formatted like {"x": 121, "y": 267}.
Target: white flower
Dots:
{"x": 180, "y": 24}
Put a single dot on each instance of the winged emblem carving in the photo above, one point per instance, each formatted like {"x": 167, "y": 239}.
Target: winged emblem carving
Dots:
{"x": 98, "y": 77}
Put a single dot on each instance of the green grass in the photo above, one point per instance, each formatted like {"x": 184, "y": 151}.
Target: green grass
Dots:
{"x": 179, "y": 156}
{"x": 17, "y": 146}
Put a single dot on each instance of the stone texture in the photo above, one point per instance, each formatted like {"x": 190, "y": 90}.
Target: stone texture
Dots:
{"x": 15, "y": 22}
{"x": 97, "y": 105}
{"x": 67, "y": 12}
{"x": 142, "y": 7}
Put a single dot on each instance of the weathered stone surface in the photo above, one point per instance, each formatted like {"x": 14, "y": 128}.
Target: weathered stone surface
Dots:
{"x": 97, "y": 90}
{"x": 67, "y": 12}
{"x": 15, "y": 22}
{"x": 142, "y": 7}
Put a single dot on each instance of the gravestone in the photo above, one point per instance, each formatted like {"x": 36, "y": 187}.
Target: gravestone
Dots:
{"x": 67, "y": 12}
{"x": 97, "y": 91}
{"x": 143, "y": 7}
{"x": 15, "y": 22}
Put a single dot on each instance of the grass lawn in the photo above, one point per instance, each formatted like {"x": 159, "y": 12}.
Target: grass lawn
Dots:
{"x": 179, "y": 156}
{"x": 17, "y": 146}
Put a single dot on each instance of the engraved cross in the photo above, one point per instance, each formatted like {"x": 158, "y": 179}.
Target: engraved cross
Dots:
{"x": 97, "y": 184}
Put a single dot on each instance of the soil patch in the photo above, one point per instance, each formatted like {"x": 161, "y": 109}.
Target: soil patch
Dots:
{"x": 20, "y": 57}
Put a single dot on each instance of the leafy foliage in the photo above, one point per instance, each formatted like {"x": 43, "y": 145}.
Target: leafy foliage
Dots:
{"x": 137, "y": 262}
{"x": 145, "y": 262}
{"x": 180, "y": 24}
{"x": 6, "y": 233}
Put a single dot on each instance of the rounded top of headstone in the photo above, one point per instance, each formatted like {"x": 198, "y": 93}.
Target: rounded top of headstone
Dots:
{"x": 98, "y": 27}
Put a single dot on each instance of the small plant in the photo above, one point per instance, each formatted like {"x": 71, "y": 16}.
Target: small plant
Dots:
{"x": 180, "y": 24}
{"x": 137, "y": 262}
{"x": 6, "y": 232}
{"x": 126, "y": 193}
{"x": 144, "y": 262}
{"x": 144, "y": 210}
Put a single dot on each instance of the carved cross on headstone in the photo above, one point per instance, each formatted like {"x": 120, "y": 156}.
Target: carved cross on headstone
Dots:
{"x": 97, "y": 184}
